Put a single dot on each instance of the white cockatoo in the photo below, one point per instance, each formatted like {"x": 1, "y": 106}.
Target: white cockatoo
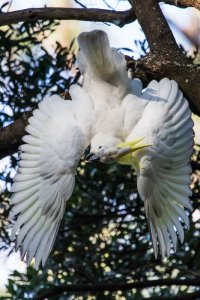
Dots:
{"x": 150, "y": 130}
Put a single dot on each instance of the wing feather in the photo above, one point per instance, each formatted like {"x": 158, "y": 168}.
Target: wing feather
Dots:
{"x": 29, "y": 139}
{"x": 164, "y": 172}
{"x": 45, "y": 178}
{"x": 32, "y": 130}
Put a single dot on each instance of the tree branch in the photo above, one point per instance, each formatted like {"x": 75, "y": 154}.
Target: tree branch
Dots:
{"x": 187, "y": 75}
{"x": 165, "y": 58}
{"x": 184, "y": 3}
{"x": 11, "y": 135}
{"x": 112, "y": 287}
{"x": 119, "y": 18}
{"x": 190, "y": 296}
{"x": 154, "y": 25}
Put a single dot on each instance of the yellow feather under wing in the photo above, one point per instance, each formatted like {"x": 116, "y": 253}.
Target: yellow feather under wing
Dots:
{"x": 134, "y": 145}
{"x": 131, "y": 158}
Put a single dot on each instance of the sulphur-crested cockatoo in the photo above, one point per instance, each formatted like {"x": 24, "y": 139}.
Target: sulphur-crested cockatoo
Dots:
{"x": 150, "y": 130}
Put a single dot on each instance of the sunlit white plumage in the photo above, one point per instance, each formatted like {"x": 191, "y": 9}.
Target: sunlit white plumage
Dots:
{"x": 150, "y": 130}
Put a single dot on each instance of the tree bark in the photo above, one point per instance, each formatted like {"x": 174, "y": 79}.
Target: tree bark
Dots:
{"x": 11, "y": 135}
{"x": 184, "y": 3}
{"x": 156, "y": 66}
{"x": 165, "y": 58}
{"x": 155, "y": 27}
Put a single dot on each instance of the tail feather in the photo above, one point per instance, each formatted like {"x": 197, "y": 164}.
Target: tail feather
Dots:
{"x": 96, "y": 48}
{"x": 97, "y": 58}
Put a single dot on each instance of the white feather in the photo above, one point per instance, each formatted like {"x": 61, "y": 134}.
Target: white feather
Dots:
{"x": 25, "y": 177}
{"x": 29, "y": 157}
{"x": 33, "y": 131}
{"x": 25, "y": 230}
{"x": 29, "y": 139}
{"x": 24, "y": 219}
{"x": 164, "y": 180}
{"x": 42, "y": 247}
{"x": 30, "y": 149}
{"x": 45, "y": 178}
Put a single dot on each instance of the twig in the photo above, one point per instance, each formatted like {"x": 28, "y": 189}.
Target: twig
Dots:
{"x": 9, "y": 5}
{"x": 79, "y": 3}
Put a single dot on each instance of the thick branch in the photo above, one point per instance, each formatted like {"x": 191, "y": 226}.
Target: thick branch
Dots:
{"x": 187, "y": 75}
{"x": 112, "y": 287}
{"x": 184, "y": 3}
{"x": 154, "y": 25}
{"x": 119, "y": 18}
{"x": 166, "y": 59}
{"x": 11, "y": 135}
{"x": 194, "y": 3}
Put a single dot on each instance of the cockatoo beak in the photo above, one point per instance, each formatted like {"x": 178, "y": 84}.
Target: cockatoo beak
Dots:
{"x": 132, "y": 146}
{"x": 92, "y": 157}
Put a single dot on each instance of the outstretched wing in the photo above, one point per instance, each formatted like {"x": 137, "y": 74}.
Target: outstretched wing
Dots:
{"x": 164, "y": 169}
{"x": 46, "y": 175}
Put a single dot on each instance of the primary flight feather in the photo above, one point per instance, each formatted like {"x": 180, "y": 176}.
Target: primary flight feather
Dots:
{"x": 150, "y": 130}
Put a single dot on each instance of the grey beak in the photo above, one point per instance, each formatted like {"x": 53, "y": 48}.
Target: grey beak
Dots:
{"x": 92, "y": 157}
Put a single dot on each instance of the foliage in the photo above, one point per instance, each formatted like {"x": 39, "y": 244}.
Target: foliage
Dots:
{"x": 104, "y": 235}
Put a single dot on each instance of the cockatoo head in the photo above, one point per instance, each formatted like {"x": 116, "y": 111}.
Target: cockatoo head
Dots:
{"x": 107, "y": 149}
{"x": 103, "y": 148}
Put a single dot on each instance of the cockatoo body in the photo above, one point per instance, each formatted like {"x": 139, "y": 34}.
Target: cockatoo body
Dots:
{"x": 150, "y": 130}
